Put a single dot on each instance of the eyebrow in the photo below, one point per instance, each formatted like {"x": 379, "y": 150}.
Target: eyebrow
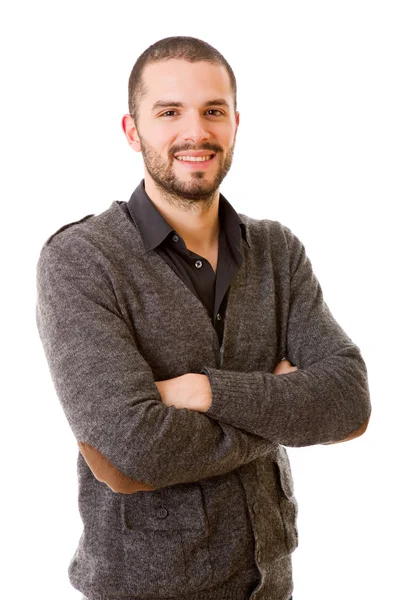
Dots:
{"x": 174, "y": 104}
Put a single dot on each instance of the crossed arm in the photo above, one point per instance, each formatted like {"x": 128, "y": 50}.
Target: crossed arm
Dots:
{"x": 191, "y": 391}
{"x": 113, "y": 405}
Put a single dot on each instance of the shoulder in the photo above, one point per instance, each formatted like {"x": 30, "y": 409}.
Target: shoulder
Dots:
{"x": 94, "y": 231}
{"x": 267, "y": 231}
{"x": 86, "y": 242}
{"x": 90, "y": 225}
{"x": 67, "y": 226}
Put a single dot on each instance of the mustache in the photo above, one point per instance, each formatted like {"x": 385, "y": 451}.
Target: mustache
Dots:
{"x": 206, "y": 146}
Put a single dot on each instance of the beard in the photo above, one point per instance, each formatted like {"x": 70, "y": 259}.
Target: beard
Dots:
{"x": 173, "y": 188}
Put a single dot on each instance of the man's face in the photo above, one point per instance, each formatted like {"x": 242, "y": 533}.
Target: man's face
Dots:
{"x": 187, "y": 126}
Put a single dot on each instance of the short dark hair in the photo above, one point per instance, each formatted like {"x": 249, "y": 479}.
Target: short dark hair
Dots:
{"x": 181, "y": 47}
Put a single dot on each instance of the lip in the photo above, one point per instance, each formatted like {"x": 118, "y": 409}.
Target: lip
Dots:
{"x": 195, "y": 165}
{"x": 195, "y": 153}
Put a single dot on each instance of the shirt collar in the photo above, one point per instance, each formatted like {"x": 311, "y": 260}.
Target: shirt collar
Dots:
{"x": 154, "y": 228}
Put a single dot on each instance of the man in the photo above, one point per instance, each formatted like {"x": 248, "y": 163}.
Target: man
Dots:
{"x": 188, "y": 344}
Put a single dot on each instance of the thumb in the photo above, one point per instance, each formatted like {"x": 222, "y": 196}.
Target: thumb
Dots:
{"x": 284, "y": 366}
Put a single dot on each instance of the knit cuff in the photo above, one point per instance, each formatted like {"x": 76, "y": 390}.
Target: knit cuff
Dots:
{"x": 236, "y": 396}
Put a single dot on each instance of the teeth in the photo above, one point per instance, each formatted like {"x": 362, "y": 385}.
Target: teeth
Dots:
{"x": 194, "y": 158}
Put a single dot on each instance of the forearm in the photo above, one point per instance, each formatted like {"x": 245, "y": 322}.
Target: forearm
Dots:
{"x": 194, "y": 391}
{"x": 324, "y": 403}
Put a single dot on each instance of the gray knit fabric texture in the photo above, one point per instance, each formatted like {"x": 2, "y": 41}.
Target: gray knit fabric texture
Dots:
{"x": 114, "y": 319}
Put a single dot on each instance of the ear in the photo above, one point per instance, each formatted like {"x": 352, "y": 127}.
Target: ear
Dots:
{"x": 237, "y": 119}
{"x": 131, "y": 134}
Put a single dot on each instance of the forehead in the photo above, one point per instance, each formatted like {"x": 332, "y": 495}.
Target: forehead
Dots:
{"x": 187, "y": 82}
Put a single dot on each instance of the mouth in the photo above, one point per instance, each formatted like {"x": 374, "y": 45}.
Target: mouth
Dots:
{"x": 191, "y": 161}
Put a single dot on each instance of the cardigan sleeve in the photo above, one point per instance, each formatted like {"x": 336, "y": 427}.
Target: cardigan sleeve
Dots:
{"x": 107, "y": 389}
{"x": 325, "y": 399}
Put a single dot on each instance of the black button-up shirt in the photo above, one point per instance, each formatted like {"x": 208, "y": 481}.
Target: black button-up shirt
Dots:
{"x": 212, "y": 288}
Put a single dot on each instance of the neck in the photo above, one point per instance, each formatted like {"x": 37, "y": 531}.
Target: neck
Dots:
{"x": 196, "y": 221}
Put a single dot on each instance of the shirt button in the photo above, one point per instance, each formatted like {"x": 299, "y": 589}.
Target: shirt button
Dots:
{"x": 162, "y": 513}
{"x": 259, "y": 555}
{"x": 175, "y": 238}
{"x": 198, "y": 264}
{"x": 218, "y": 317}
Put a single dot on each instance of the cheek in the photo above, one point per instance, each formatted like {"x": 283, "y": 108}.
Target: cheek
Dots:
{"x": 159, "y": 138}
{"x": 165, "y": 146}
{"x": 226, "y": 136}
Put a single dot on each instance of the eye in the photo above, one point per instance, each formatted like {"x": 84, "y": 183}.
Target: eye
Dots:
{"x": 168, "y": 113}
{"x": 214, "y": 111}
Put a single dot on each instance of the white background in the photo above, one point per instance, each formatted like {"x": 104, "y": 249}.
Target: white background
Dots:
{"x": 317, "y": 149}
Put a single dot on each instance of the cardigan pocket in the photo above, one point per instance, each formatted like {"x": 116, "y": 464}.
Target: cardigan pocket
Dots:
{"x": 162, "y": 529}
{"x": 287, "y": 501}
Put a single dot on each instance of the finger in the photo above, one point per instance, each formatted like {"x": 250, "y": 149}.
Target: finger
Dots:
{"x": 282, "y": 366}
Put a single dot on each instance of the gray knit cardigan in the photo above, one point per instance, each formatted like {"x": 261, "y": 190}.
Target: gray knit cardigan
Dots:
{"x": 113, "y": 319}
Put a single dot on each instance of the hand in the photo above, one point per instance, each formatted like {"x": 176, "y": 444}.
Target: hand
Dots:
{"x": 192, "y": 391}
{"x": 284, "y": 367}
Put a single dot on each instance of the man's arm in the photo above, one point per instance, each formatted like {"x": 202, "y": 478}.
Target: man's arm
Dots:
{"x": 325, "y": 401}
{"x": 107, "y": 389}
{"x": 194, "y": 392}
{"x": 190, "y": 391}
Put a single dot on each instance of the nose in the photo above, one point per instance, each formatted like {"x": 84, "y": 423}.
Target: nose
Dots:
{"x": 195, "y": 128}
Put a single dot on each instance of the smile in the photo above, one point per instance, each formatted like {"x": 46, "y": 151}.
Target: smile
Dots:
{"x": 194, "y": 158}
